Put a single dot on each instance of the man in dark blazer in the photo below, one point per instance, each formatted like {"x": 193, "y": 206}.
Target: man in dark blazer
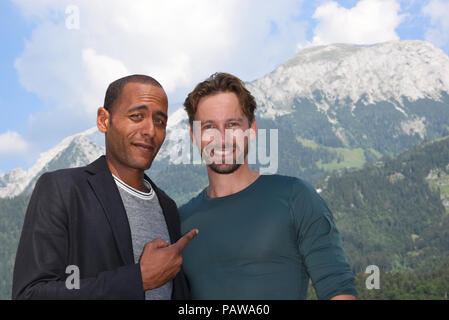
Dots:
{"x": 77, "y": 218}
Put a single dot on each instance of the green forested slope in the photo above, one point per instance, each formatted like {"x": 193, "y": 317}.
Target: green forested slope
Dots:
{"x": 392, "y": 214}
{"x": 411, "y": 285}
{"x": 12, "y": 212}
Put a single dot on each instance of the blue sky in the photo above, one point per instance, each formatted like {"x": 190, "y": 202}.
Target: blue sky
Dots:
{"x": 57, "y": 60}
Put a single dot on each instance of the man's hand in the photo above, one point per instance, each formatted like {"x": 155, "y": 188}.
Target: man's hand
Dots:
{"x": 344, "y": 297}
{"x": 160, "y": 262}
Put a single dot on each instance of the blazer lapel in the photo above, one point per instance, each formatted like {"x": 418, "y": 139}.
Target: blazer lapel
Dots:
{"x": 107, "y": 193}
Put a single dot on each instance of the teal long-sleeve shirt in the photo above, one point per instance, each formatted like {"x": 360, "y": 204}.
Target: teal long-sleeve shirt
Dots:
{"x": 264, "y": 242}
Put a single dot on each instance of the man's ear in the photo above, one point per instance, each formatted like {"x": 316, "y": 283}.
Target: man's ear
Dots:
{"x": 103, "y": 117}
{"x": 253, "y": 132}
{"x": 195, "y": 133}
{"x": 192, "y": 138}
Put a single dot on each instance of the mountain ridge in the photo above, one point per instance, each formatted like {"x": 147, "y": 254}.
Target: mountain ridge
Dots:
{"x": 24, "y": 180}
{"x": 338, "y": 107}
{"x": 396, "y": 69}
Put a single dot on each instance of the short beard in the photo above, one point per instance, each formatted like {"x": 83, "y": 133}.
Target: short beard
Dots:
{"x": 228, "y": 169}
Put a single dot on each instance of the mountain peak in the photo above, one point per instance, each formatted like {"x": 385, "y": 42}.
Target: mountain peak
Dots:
{"x": 73, "y": 151}
{"x": 389, "y": 71}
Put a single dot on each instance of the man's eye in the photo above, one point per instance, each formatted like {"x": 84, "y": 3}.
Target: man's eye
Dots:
{"x": 159, "y": 121}
{"x": 136, "y": 116}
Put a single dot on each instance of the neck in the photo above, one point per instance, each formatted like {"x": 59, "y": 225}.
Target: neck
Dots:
{"x": 131, "y": 176}
{"x": 221, "y": 185}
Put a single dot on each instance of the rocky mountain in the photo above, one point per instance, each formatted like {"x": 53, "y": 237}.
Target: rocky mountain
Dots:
{"x": 73, "y": 151}
{"x": 355, "y": 76}
{"x": 334, "y": 107}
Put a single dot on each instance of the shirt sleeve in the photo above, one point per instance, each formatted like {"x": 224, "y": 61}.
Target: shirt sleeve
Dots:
{"x": 319, "y": 244}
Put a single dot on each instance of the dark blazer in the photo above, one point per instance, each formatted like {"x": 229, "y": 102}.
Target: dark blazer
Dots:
{"x": 76, "y": 217}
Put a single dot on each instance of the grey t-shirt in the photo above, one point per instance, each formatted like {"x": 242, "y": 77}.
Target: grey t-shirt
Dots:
{"x": 147, "y": 223}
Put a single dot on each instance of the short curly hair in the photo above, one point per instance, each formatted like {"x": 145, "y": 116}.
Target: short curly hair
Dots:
{"x": 220, "y": 82}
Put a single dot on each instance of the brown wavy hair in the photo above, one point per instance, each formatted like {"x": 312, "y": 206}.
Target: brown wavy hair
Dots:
{"x": 220, "y": 82}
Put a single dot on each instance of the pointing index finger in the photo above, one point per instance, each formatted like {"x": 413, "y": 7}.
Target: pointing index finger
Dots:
{"x": 185, "y": 239}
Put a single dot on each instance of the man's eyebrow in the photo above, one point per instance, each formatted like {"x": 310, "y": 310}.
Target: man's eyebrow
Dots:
{"x": 227, "y": 120}
{"x": 163, "y": 115}
{"x": 138, "y": 108}
{"x": 235, "y": 119}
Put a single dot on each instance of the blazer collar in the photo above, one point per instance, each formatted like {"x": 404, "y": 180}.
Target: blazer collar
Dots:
{"x": 98, "y": 165}
{"x": 109, "y": 197}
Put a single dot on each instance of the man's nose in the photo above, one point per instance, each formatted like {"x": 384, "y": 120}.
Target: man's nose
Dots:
{"x": 227, "y": 136}
{"x": 223, "y": 136}
{"x": 148, "y": 128}
{"x": 221, "y": 132}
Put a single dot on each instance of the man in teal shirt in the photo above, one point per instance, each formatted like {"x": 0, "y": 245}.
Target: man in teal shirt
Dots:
{"x": 261, "y": 236}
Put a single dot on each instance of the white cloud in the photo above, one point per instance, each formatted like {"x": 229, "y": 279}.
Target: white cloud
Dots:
{"x": 100, "y": 69}
{"x": 438, "y": 11}
{"x": 369, "y": 21}
{"x": 12, "y": 143}
{"x": 178, "y": 42}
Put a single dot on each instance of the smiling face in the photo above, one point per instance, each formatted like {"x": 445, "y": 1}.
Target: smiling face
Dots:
{"x": 136, "y": 127}
{"x": 224, "y": 132}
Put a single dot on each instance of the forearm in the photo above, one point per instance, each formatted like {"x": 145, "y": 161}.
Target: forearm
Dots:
{"x": 122, "y": 283}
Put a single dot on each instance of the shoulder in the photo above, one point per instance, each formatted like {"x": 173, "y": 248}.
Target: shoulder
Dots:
{"x": 62, "y": 177}
{"x": 189, "y": 208}
{"x": 290, "y": 187}
{"x": 306, "y": 204}
{"x": 51, "y": 193}
{"x": 300, "y": 194}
